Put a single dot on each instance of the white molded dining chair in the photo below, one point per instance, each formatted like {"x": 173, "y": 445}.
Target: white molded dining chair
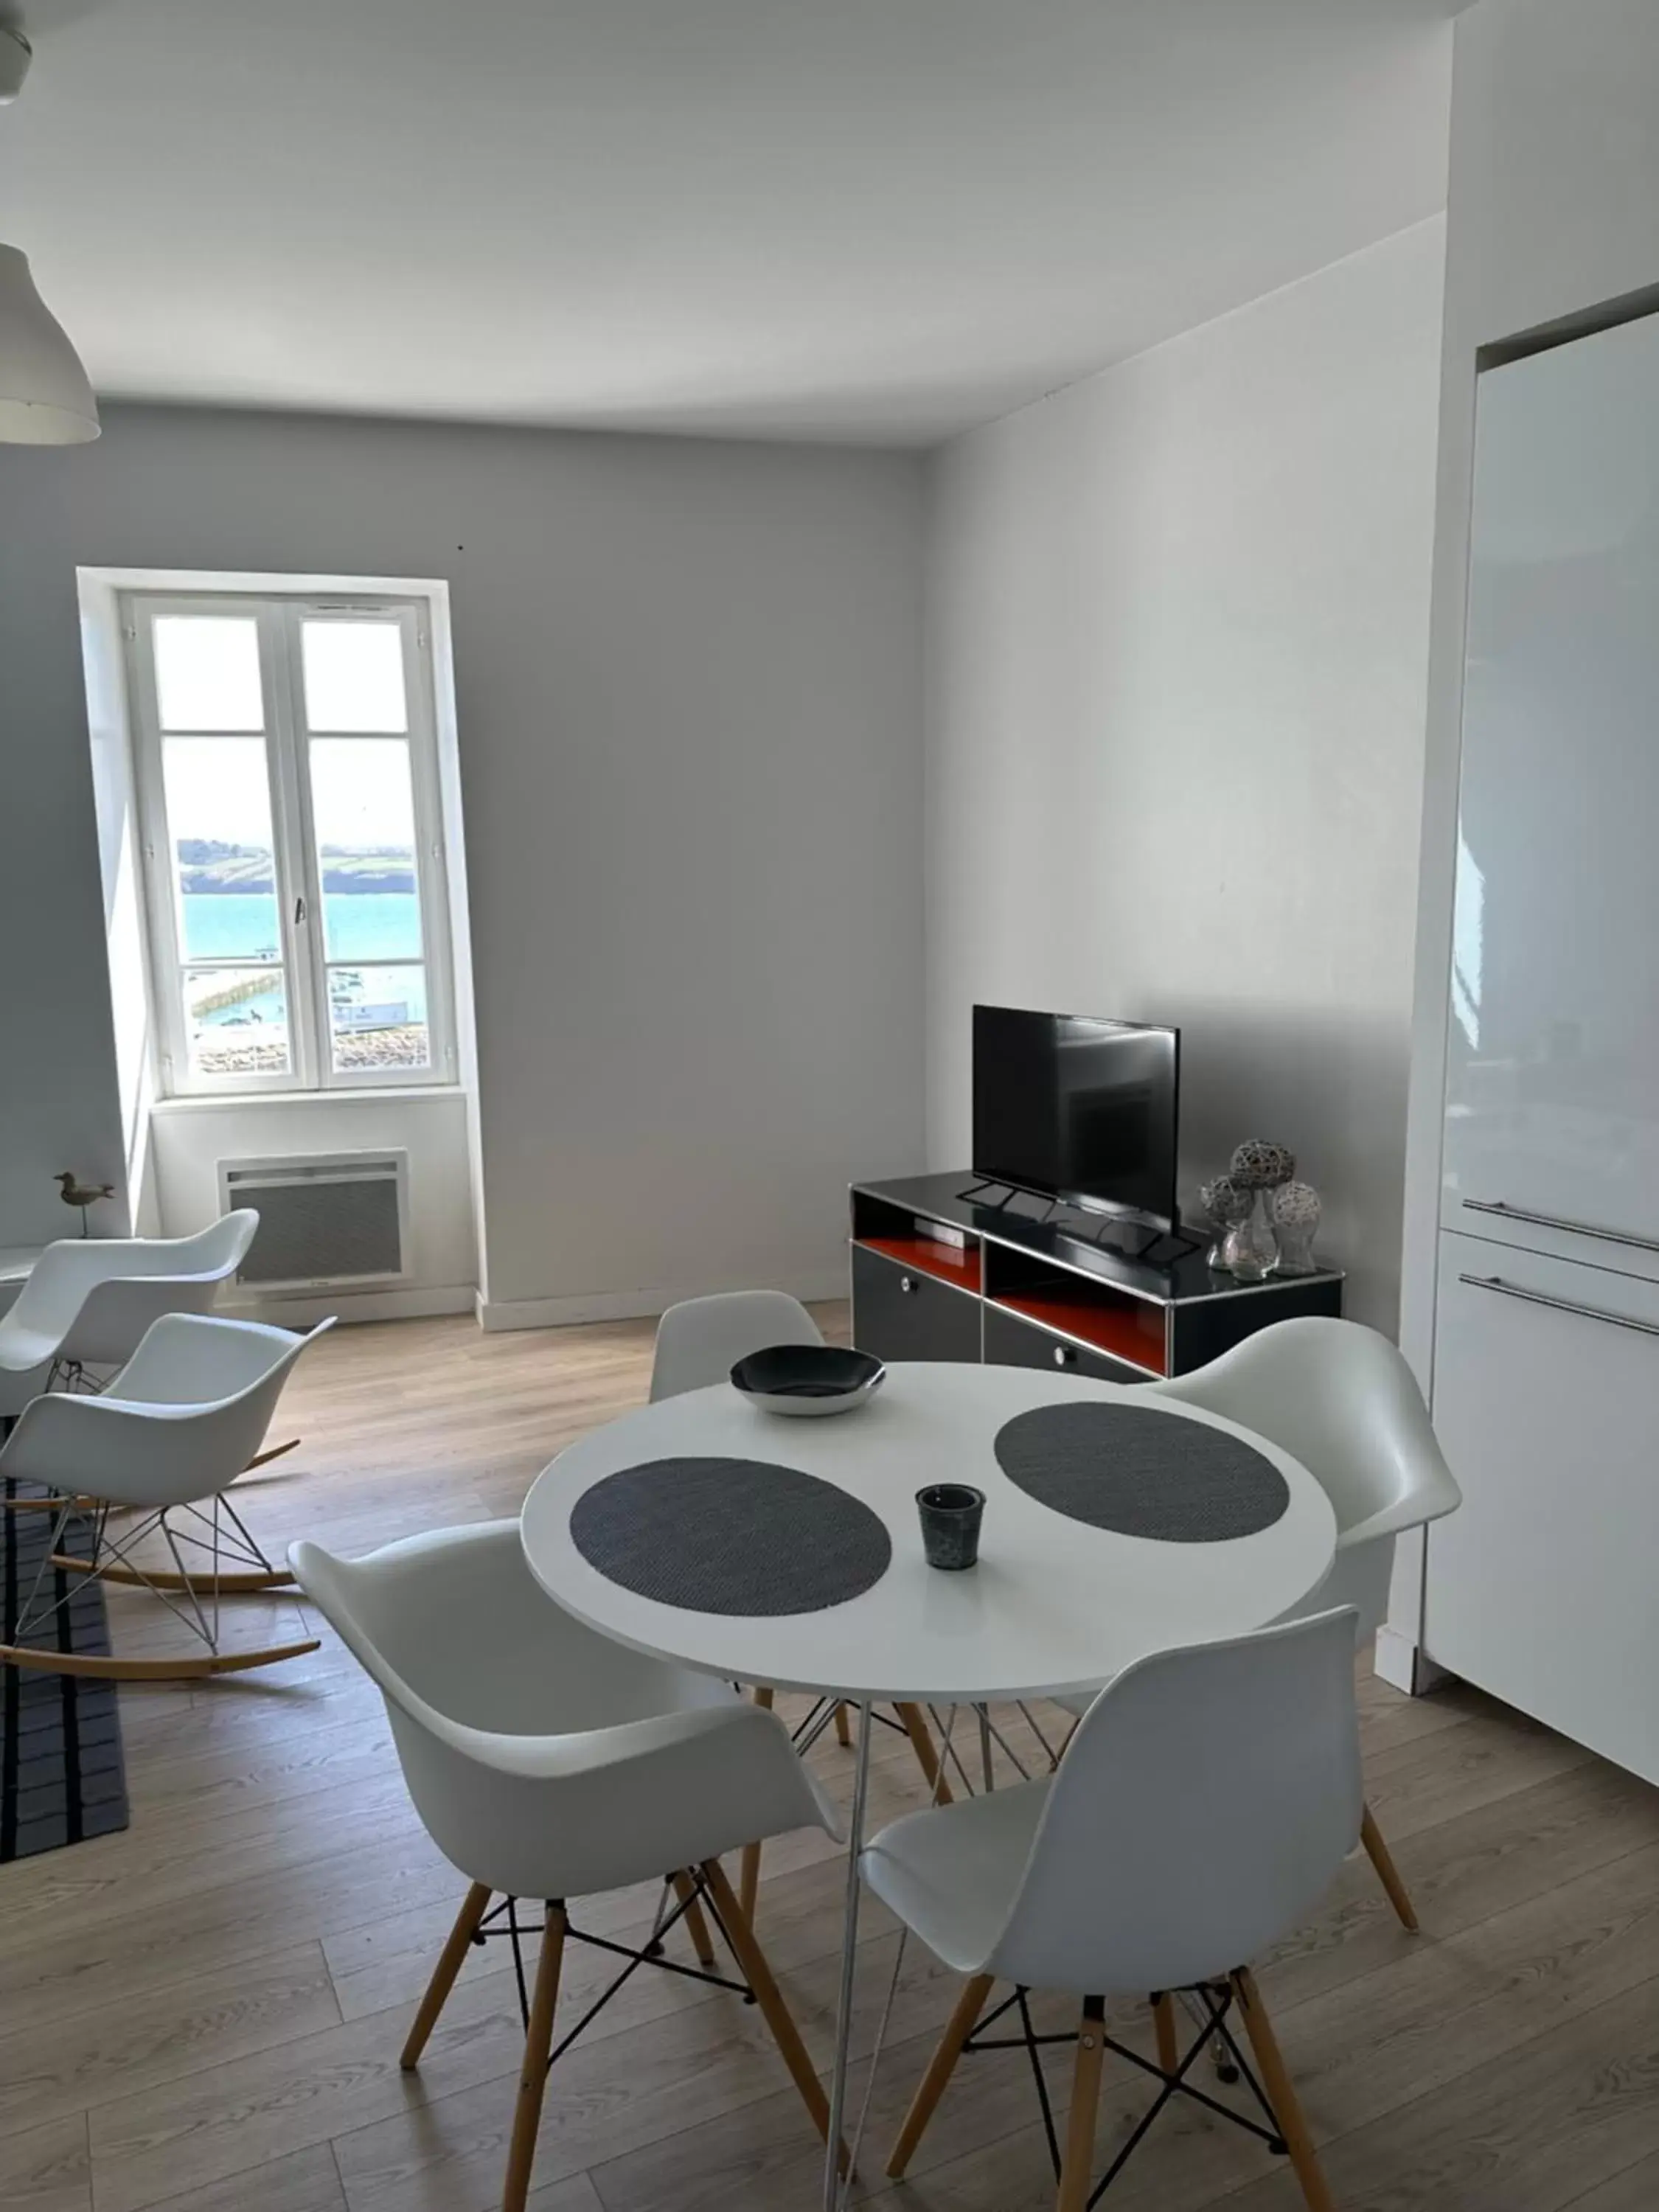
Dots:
{"x": 1341, "y": 1399}
{"x": 1102, "y": 1881}
{"x": 88, "y": 1301}
{"x": 699, "y": 1342}
{"x": 548, "y": 1762}
{"x": 169, "y": 1437}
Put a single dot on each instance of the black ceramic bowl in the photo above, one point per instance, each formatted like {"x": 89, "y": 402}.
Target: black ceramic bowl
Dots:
{"x": 808, "y": 1380}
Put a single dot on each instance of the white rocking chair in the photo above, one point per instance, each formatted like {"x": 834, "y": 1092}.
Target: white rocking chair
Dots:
{"x": 177, "y": 1426}
{"x": 88, "y": 1301}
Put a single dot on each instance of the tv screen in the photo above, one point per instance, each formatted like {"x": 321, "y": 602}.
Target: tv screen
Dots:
{"x": 1078, "y": 1109}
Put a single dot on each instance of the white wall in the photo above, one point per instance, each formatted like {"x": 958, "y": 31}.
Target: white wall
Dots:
{"x": 192, "y": 1136}
{"x": 688, "y": 684}
{"x": 1177, "y": 656}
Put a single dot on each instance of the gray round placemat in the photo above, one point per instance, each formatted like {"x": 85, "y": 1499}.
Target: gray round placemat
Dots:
{"x": 730, "y": 1535}
{"x": 1142, "y": 1473}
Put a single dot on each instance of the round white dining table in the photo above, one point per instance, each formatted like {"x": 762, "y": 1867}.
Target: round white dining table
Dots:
{"x": 1054, "y": 1606}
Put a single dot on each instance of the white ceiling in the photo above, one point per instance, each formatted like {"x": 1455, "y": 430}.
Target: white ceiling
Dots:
{"x": 879, "y": 220}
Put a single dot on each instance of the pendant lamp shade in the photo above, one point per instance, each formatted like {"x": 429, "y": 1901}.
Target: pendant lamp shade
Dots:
{"x": 44, "y": 396}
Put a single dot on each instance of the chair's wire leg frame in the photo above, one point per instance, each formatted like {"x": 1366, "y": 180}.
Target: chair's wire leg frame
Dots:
{"x": 505, "y": 1914}
{"x": 1214, "y": 2000}
{"x": 109, "y": 1552}
{"x": 502, "y": 1919}
{"x": 74, "y": 1377}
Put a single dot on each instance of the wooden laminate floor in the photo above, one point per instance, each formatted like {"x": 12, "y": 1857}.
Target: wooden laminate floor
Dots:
{"x": 206, "y": 2012}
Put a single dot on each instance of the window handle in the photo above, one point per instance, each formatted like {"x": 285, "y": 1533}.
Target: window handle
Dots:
{"x": 298, "y": 910}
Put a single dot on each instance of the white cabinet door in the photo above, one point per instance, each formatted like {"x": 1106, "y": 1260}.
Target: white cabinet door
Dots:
{"x": 1553, "y": 1098}
{"x": 1543, "y": 1586}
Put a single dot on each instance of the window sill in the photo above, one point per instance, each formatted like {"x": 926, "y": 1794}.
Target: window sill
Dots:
{"x": 242, "y": 1102}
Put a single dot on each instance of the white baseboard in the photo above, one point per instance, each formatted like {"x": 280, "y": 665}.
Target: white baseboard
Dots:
{"x": 1405, "y": 1665}
{"x": 299, "y": 1310}
{"x": 637, "y": 1305}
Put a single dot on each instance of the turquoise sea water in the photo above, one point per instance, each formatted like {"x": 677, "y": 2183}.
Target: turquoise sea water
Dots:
{"x": 362, "y": 927}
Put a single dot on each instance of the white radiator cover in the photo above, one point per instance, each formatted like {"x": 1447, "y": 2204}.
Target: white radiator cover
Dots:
{"x": 324, "y": 1218}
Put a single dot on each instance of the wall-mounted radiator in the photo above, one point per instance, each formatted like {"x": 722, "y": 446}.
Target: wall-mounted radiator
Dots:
{"x": 330, "y": 1218}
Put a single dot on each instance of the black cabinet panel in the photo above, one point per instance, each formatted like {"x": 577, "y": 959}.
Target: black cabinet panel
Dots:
{"x": 898, "y": 1314}
{"x": 1204, "y": 1328}
{"x": 1011, "y": 1342}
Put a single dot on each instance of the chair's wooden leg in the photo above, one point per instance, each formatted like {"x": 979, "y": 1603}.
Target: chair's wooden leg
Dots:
{"x": 533, "y": 2075}
{"x": 751, "y": 1963}
{"x": 1080, "y": 2160}
{"x": 277, "y": 1451}
{"x": 749, "y": 1865}
{"x": 1386, "y": 1872}
{"x": 1287, "y": 2111}
{"x": 162, "y": 1578}
{"x": 101, "y": 1668}
{"x": 696, "y": 1926}
{"x": 450, "y": 1959}
{"x": 1164, "y": 2016}
{"x": 844, "y": 1728}
{"x": 916, "y": 1726}
{"x": 940, "y": 2067}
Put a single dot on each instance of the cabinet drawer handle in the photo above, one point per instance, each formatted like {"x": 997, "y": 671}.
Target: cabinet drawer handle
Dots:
{"x": 1064, "y": 1355}
{"x": 907, "y": 1284}
{"x": 1506, "y": 1212}
{"x": 1558, "y": 1305}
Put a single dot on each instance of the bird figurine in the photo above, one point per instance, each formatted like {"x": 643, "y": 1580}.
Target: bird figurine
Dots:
{"x": 82, "y": 1194}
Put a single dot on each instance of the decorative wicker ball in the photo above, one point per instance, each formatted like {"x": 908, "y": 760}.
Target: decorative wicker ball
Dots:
{"x": 1259, "y": 1165}
{"x": 1223, "y": 1202}
{"x": 1296, "y": 1206}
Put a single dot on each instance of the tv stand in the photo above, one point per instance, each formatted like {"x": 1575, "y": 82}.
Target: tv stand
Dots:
{"x": 1096, "y": 1227}
{"x": 940, "y": 1270}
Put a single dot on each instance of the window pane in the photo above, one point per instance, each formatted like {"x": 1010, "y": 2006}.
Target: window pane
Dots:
{"x": 377, "y": 1018}
{"x": 354, "y": 675}
{"x": 218, "y": 806}
{"x": 362, "y": 805}
{"x": 207, "y": 672}
{"x": 236, "y": 1021}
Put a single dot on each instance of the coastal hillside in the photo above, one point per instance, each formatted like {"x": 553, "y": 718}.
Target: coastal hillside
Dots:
{"x": 206, "y": 867}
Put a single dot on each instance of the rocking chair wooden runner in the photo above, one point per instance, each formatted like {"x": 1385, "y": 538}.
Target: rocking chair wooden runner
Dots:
{"x": 167, "y": 1439}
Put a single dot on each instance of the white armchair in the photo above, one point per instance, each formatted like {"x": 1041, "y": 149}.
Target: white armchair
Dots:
{"x": 1105, "y": 1881}
{"x": 548, "y": 1762}
{"x": 88, "y": 1301}
{"x": 1341, "y": 1399}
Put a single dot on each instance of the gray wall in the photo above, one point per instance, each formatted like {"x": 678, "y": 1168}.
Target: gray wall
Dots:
{"x": 1553, "y": 207}
{"x": 1178, "y": 640}
{"x": 688, "y": 684}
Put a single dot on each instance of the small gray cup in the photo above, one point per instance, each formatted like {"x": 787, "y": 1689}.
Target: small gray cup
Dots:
{"x": 950, "y": 1514}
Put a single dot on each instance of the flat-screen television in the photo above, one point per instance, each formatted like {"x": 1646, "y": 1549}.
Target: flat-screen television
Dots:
{"x": 1078, "y": 1109}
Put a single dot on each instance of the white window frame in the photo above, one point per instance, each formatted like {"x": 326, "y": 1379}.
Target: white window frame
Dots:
{"x": 296, "y": 866}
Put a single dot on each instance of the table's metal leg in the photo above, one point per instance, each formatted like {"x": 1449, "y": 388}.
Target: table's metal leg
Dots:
{"x": 832, "y": 2189}
{"x": 985, "y": 1768}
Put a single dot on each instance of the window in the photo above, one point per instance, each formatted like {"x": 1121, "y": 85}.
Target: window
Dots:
{"x": 294, "y": 857}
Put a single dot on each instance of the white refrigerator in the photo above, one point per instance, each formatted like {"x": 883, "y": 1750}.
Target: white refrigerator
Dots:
{"x": 1544, "y": 1588}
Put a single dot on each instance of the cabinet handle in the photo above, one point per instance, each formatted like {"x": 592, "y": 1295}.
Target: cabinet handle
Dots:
{"x": 1064, "y": 1355}
{"x": 1558, "y": 1305}
{"x": 907, "y": 1284}
{"x": 1506, "y": 1212}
